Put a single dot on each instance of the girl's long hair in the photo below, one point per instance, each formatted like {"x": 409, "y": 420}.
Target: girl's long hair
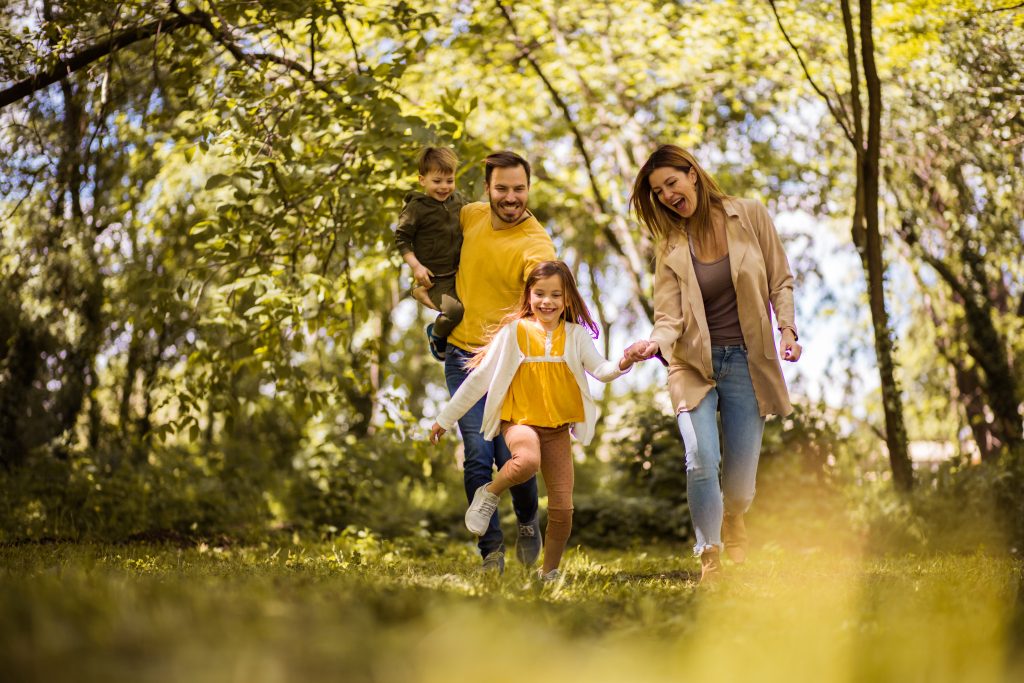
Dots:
{"x": 661, "y": 221}
{"x": 575, "y": 310}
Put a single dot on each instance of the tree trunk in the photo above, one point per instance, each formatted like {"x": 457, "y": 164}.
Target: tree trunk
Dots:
{"x": 865, "y": 228}
{"x": 868, "y": 173}
{"x": 80, "y": 357}
{"x": 22, "y": 361}
{"x": 128, "y": 385}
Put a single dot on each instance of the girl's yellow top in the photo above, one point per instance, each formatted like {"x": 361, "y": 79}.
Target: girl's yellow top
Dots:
{"x": 544, "y": 392}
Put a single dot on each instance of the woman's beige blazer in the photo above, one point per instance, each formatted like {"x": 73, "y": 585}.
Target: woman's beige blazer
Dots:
{"x": 761, "y": 276}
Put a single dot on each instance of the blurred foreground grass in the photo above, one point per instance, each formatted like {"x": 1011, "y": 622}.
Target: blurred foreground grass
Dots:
{"x": 359, "y": 609}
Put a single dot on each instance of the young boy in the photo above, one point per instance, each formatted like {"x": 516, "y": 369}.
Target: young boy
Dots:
{"x": 429, "y": 238}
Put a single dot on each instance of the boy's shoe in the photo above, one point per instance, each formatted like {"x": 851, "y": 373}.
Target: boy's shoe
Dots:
{"x": 734, "y": 536}
{"x": 551, "y": 576}
{"x": 710, "y": 566}
{"x": 529, "y": 543}
{"x": 437, "y": 344}
{"x": 494, "y": 561}
{"x": 480, "y": 511}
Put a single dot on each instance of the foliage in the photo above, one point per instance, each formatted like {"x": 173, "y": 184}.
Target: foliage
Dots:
{"x": 960, "y": 508}
{"x": 201, "y": 312}
{"x": 259, "y": 482}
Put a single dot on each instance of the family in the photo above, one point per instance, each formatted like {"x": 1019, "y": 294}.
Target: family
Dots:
{"x": 517, "y": 341}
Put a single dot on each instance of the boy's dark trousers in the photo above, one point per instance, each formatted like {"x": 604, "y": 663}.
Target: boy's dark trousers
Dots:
{"x": 443, "y": 296}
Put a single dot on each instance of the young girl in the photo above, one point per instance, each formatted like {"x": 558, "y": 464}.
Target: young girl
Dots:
{"x": 533, "y": 374}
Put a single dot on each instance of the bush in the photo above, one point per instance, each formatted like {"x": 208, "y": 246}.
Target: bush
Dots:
{"x": 608, "y": 520}
{"x": 238, "y": 491}
{"x": 174, "y": 492}
{"x": 643, "y": 498}
{"x": 395, "y": 487}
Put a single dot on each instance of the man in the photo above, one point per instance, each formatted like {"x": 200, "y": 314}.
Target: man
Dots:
{"x": 502, "y": 242}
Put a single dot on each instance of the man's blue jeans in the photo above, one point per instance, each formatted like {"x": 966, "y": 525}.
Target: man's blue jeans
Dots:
{"x": 742, "y": 428}
{"x": 483, "y": 455}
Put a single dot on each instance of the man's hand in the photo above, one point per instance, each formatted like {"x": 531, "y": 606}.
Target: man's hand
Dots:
{"x": 788, "y": 348}
{"x": 422, "y": 275}
{"x": 436, "y": 432}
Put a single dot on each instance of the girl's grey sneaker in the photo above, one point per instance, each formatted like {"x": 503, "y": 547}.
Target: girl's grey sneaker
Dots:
{"x": 480, "y": 511}
{"x": 553, "y": 575}
{"x": 528, "y": 544}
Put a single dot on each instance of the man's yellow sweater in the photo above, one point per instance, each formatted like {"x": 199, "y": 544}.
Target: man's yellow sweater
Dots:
{"x": 493, "y": 271}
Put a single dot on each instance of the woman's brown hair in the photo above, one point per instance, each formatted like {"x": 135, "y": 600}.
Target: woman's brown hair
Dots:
{"x": 575, "y": 310}
{"x": 659, "y": 220}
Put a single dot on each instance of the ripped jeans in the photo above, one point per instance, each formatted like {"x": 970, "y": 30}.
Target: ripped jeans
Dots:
{"x": 742, "y": 428}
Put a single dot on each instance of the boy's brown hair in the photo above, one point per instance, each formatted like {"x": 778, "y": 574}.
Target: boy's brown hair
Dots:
{"x": 437, "y": 159}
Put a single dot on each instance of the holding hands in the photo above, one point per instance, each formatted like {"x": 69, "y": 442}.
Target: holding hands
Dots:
{"x": 640, "y": 350}
{"x": 637, "y": 352}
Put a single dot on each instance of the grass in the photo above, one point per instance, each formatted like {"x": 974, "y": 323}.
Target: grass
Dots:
{"x": 364, "y": 610}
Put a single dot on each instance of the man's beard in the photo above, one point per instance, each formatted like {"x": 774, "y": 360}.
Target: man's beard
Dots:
{"x": 501, "y": 212}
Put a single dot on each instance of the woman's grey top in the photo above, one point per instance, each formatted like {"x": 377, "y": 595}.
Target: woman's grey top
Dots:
{"x": 715, "y": 282}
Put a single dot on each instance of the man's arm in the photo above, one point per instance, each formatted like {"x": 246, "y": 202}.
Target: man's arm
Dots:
{"x": 541, "y": 249}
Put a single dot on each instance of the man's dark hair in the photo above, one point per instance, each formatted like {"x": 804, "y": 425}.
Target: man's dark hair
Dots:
{"x": 504, "y": 159}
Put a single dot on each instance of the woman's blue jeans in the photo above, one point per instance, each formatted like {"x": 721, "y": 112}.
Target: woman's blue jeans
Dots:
{"x": 483, "y": 455}
{"x": 742, "y": 428}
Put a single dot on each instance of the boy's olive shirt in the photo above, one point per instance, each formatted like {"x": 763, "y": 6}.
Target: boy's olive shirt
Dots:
{"x": 493, "y": 272}
{"x": 430, "y": 229}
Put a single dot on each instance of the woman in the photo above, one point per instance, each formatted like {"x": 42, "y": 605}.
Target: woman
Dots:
{"x": 719, "y": 265}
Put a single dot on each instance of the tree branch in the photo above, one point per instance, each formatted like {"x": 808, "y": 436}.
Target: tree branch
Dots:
{"x": 828, "y": 100}
{"x": 851, "y": 60}
{"x": 911, "y": 237}
{"x": 340, "y": 9}
{"x": 581, "y": 147}
{"x": 1002, "y": 9}
{"x": 164, "y": 25}
{"x": 76, "y": 62}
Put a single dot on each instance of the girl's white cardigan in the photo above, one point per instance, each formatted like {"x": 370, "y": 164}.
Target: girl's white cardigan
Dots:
{"x": 494, "y": 376}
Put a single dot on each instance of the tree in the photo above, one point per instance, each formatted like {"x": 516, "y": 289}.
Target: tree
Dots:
{"x": 960, "y": 217}
{"x": 866, "y": 142}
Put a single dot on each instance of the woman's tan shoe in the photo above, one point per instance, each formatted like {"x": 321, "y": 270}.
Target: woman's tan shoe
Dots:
{"x": 710, "y": 566}
{"x": 734, "y": 537}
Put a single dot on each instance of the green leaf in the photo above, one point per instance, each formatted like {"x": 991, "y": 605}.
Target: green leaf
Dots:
{"x": 217, "y": 180}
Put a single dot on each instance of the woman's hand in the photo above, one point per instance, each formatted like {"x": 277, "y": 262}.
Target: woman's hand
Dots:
{"x": 788, "y": 348}
{"x": 436, "y": 432}
{"x": 640, "y": 350}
